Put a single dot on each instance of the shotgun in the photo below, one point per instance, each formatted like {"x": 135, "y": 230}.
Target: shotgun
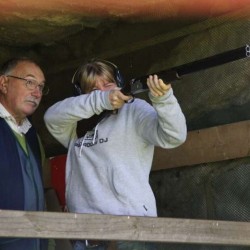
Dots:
{"x": 139, "y": 84}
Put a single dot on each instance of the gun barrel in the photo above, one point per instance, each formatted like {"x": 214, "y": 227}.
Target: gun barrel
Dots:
{"x": 213, "y": 61}
{"x": 139, "y": 84}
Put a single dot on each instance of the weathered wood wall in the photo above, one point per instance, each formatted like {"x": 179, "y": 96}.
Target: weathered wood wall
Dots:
{"x": 213, "y": 144}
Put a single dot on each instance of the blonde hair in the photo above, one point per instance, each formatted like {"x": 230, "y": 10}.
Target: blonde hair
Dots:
{"x": 85, "y": 76}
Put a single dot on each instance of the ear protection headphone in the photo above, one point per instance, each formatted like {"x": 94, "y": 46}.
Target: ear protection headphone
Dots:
{"x": 118, "y": 78}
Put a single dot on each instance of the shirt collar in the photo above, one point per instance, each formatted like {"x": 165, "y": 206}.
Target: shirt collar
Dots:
{"x": 20, "y": 129}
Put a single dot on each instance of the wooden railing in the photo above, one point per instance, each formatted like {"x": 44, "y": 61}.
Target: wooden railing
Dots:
{"x": 61, "y": 225}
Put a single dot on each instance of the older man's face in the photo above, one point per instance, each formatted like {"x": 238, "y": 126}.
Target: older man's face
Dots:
{"x": 19, "y": 100}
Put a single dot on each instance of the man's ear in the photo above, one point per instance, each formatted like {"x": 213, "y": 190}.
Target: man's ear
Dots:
{"x": 3, "y": 84}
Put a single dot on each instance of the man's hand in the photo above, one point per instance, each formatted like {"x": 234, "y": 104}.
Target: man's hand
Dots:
{"x": 156, "y": 86}
{"x": 117, "y": 98}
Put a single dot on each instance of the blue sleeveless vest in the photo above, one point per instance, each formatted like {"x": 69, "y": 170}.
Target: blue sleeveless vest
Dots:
{"x": 11, "y": 181}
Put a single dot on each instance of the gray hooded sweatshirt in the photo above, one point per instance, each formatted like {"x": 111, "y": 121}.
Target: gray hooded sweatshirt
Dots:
{"x": 107, "y": 170}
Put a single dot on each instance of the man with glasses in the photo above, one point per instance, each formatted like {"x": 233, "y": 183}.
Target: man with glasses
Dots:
{"x": 22, "y": 85}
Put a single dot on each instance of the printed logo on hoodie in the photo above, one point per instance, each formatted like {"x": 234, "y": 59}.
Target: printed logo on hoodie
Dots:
{"x": 90, "y": 139}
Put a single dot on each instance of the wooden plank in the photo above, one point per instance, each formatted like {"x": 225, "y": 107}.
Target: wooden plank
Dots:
{"x": 213, "y": 144}
{"x": 107, "y": 227}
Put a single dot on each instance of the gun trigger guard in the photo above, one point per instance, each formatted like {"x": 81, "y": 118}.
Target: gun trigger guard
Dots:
{"x": 130, "y": 100}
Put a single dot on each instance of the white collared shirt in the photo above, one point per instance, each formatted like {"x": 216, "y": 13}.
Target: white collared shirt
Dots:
{"x": 22, "y": 129}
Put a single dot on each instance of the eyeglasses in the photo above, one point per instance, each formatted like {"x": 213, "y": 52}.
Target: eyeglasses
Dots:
{"x": 32, "y": 84}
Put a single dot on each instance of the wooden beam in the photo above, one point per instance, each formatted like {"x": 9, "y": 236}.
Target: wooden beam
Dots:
{"x": 107, "y": 227}
{"x": 213, "y": 144}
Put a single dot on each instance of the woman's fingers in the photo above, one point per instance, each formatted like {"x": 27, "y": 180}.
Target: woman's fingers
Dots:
{"x": 156, "y": 86}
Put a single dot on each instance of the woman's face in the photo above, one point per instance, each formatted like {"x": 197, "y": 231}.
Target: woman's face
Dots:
{"x": 103, "y": 84}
